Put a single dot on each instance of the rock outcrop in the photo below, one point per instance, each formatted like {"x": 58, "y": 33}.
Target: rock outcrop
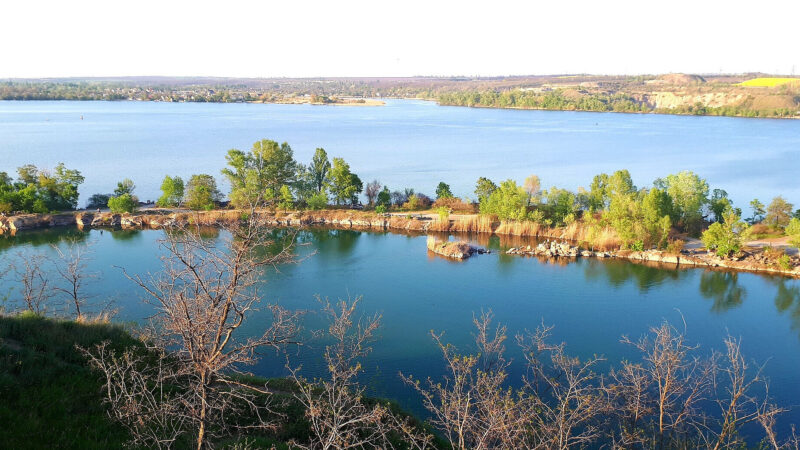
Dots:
{"x": 455, "y": 250}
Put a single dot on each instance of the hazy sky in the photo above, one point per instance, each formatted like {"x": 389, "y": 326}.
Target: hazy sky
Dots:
{"x": 398, "y": 38}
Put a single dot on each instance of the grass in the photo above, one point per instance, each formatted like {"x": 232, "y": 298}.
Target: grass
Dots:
{"x": 768, "y": 82}
{"x": 49, "y": 398}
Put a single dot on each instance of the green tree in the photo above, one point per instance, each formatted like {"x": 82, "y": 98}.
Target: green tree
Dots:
{"x": 202, "y": 192}
{"x": 59, "y": 189}
{"x": 779, "y": 212}
{"x": 257, "y": 176}
{"x": 318, "y": 201}
{"x": 125, "y": 186}
{"x": 508, "y": 202}
{"x": 725, "y": 238}
{"x": 758, "y": 211}
{"x": 560, "y": 204}
{"x": 344, "y": 185}
{"x": 98, "y": 201}
{"x": 793, "y": 231}
{"x": 689, "y": 194}
{"x": 719, "y": 203}
{"x": 384, "y": 198}
{"x": 123, "y": 200}
{"x": 171, "y": 192}
{"x": 286, "y": 198}
{"x": 598, "y": 197}
{"x": 125, "y": 203}
{"x": 28, "y": 174}
{"x": 443, "y": 190}
{"x": 320, "y": 166}
{"x": 484, "y": 188}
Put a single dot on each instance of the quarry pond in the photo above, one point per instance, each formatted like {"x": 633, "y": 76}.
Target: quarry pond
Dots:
{"x": 592, "y": 303}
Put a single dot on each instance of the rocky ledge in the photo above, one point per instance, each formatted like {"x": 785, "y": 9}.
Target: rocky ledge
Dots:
{"x": 555, "y": 249}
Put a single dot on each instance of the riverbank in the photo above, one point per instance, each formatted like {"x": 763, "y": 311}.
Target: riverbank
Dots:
{"x": 571, "y": 241}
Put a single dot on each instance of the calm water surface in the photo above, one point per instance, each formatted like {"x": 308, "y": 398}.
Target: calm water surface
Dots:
{"x": 403, "y": 144}
{"x": 592, "y": 303}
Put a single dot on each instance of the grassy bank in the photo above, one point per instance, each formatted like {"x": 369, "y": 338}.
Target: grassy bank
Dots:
{"x": 50, "y": 398}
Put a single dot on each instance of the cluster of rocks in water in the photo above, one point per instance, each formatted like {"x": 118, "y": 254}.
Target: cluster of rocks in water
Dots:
{"x": 456, "y": 250}
{"x": 553, "y": 249}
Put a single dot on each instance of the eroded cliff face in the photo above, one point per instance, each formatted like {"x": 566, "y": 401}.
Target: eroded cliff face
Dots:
{"x": 673, "y": 100}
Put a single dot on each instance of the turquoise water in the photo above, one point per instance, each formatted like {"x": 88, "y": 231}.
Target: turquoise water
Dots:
{"x": 403, "y": 144}
{"x": 592, "y": 303}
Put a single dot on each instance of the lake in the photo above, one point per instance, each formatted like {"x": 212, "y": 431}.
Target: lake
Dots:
{"x": 403, "y": 144}
{"x": 591, "y": 303}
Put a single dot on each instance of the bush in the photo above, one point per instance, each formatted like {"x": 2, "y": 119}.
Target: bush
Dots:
{"x": 676, "y": 246}
{"x": 725, "y": 238}
{"x": 171, "y": 192}
{"x": 785, "y": 262}
{"x": 380, "y": 209}
{"x": 508, "y": 202}
{"x": 793, "y": 229}
{"x": 125, "y": 203}
{"x": 202, "y": 192}
{"x": 417, "y": 201}
{"x": 319, "y": 201}
{"x": 444, "y": 213}
{"x": 454, "y": 204}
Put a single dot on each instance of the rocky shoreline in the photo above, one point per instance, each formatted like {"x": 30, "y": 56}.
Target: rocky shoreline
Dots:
{"x": 555, "y": 247}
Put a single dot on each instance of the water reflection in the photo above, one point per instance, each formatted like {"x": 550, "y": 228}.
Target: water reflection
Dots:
{"x": 331, "y": 243}
{"x": 723, "y": 288}
{"x": 45, "y": 237}
{"x": 787, "y": 300}
{"x": 124, "y": 235}
{"x": 645, "y": 276}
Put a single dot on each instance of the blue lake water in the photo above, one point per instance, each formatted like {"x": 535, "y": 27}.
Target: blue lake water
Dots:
{"x": 417, "y": 144}
{"x": 403, "y": 144}
{"x": 591, "y": 303}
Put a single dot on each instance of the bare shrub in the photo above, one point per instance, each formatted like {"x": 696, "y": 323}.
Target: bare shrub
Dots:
{"x": 562, "y": 396}
{"x": 34, "y": 284}
{"x": 455, "y": 204}
{"x": 72, "y": 267}
{"x": 202, "y": 297}
{"x": 471, "y": 407}
{"x": 335, "y": 408}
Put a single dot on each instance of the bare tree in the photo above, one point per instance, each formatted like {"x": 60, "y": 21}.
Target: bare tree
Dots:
{"x": 372, "y": 190}
{"x": 35, "y": 291}
{"x": 532, "y": 186}
{"x": 562, "y": 396}
{"x": 138, "y": 389}
{"x": 471, "y": 407}
{"x": 666, "y": 400}
{"x": 740, "y": 405}
{"x": 72, "y": 267}
{"x": 338, "y": 416}
{"x": 202, "y": 297}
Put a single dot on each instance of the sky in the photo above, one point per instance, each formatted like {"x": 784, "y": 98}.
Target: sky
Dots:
{"x": 301, "y": 38}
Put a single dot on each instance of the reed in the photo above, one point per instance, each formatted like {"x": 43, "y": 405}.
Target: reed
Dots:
{"x": 474, "y": 224}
